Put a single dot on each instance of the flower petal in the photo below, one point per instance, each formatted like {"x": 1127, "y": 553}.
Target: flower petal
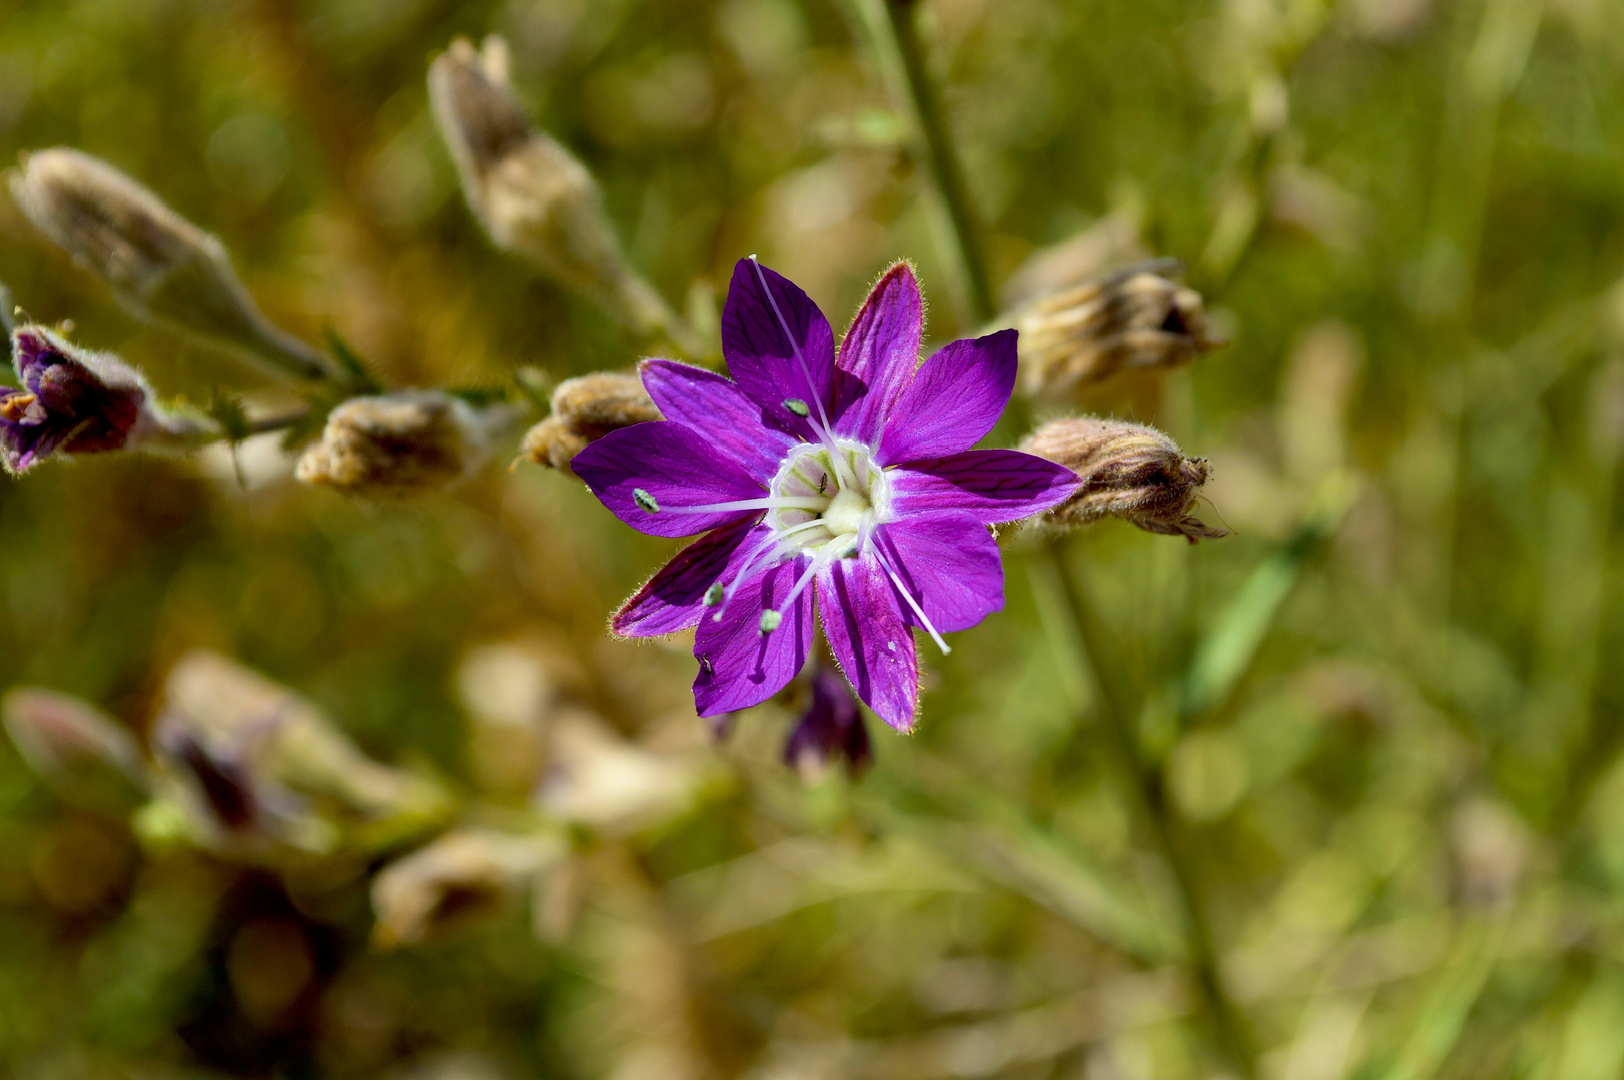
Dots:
{"x": 778, "y": 346}
{"x": 713, "y": 406}
{"x": 739, "y": 666}
{"x": 673, "y": 599}
{"x": 872, "y": 641}
{"x": 878, "y": 356}
{"x": 993, "y": 485}
{"x": 955, "y": 399}
{"x": 672, "y": 466}
{"x": 949, "y": 562}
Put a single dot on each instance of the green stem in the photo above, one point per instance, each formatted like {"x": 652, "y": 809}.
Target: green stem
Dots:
{"x": 944, "y": 161}
{"x": 1144, "y": 783}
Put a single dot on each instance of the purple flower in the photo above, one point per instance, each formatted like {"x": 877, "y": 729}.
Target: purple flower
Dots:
{"x": 831, "y": 728}
{"x": 71, "y": 400}
{"x": 853, "y": 475}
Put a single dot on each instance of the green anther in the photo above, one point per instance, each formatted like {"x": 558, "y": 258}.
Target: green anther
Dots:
{"x": 645, "y": 500}
{"x": 797, "y": 406}
{"x": 713, "y": 595}
{"x": 770, "y": 621}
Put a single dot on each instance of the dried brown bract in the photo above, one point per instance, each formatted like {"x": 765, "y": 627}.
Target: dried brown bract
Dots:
{"x": 396, "y": 444}
{"x": 1129, "y": 471}
{"x": 1140, "y": 318}
{"x": 584, "y": 409}
{"x": 160, "y": 266}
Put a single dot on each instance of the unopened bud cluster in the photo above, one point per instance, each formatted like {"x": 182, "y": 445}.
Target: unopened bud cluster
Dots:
{"x": 1140, "y": 318}
{"x": 396, "y": 444}
{"x": 532, "y": 195}
{"x": 160, "y": 266}
{"x": 1129, "y": 471}
{"x": 585, "y": 409}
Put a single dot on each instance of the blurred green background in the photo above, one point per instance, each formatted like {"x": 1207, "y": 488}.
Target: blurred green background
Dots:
{"x": 1386, "y": 715}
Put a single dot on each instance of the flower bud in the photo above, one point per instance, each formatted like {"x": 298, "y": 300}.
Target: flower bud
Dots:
{"x": 1129, "y": 471}
{"x": 587, "y": 408}
{"x": 74, "y": 401}
{"x": 398, "y": 444}
{"x": 460, "y": 877}
{"x": 160, "y": 266}
{"x": 85, "y": 756}
{"x": 830, "y": 730}
{"x": 532, "y": 195}
{"x": 262, "y": 769}
{"x": 1138, "y": 318}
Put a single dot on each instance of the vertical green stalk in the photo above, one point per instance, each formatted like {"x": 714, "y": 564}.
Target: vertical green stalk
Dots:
{"x": 944, "y": 161}
{"x": 1229, "y": 1027}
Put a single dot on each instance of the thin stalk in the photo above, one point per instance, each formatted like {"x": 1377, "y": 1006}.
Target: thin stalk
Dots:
{"x": 1144, "y": 783}
{"x": 944, "y": 160}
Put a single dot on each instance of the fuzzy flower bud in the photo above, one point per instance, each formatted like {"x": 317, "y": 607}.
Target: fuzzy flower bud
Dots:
{"x": 1129, "y": 471}
{"x": 85, "y": 756}
{"x": 532, "y": 195}
{"x": 397, "y": 444}
{"x": 1138, "y": 318}
{"x": 830, "y": 730}
{"x": 587, "y": 408}
{"x": 75, "y": 401}
{"x": 160, "y": 266}
{"x": 457, "y": 879}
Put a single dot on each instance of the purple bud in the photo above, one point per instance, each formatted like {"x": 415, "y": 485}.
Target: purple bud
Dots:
{"x": 831, "y": 728}
{"x": 71, "y": 400}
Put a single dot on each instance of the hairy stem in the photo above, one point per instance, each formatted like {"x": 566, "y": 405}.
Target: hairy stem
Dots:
{"x": 1144, "y": 784}
{"x": 944, "y": 159}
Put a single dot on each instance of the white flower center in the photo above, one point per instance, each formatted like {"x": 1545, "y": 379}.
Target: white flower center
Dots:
{"x": 831, "y": 517}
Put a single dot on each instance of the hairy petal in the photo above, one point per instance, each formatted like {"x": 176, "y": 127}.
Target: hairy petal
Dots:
{"x": 954, "y": 400}
{"x": 672, "y": 464}
{"x": 870, "y": 638}
{"x": 739, "y": 666}
{"x": 992, "y": 485}
{"x": 949, "y": 562}
{"x": 778, "y": 346}
{"x": 673, "y": 599}
{"x": 715, "y": 407}
{"x": 878, "y": 356}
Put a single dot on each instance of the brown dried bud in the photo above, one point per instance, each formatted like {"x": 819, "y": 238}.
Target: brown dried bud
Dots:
{"x": 532, "y": 195}
{"x": 160, "y": 266}
{"x": 1129, "y": 471}
{"x": 587, "y": 408}
{"x": 459, "y": 878}
{"x": 1138, "y": 318}
{"x": 396, "y": 444}
{"x": 85, "y": 756}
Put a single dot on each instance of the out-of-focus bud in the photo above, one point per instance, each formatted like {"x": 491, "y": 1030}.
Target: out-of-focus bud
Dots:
{"x": 1129, "y": 471}
{"x": 74, "y": 401}
{"x": 85, "y": 756}
{"x": 459, "y": 878}
{"x": 1491, "y": 851}
{"x": 160, "y": 266}
{"x": 1101, "y": 248}
{"x": 399, "y": 444}
{"x": 260, "y": 769}
{"x": 587, "y": 408}
{"x": 532, "y": 195}
{"x": 830, "y": 731}
{"x": 597, "y": 778}
{"x": 1139, "y": 318}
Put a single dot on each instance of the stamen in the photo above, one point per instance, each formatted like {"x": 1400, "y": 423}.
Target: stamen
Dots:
{"x": 645, "y": 500}
{"x": 823, "y": 558}
{"x": 797, "y": 406}
{"x": 824, "y": 429}
{"x": 781, "y": 502}
{"x": 908, "y": 596}
{"x": 749, "y": 563}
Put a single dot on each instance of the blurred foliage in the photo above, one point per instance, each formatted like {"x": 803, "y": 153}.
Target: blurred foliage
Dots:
{"x": 1383, "y": 717}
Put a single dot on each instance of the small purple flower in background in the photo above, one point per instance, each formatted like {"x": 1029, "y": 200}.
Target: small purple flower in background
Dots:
{"x": 854, "y": 473}
{"x": 831, "y": 728}
{"x": 71, "y": 400}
